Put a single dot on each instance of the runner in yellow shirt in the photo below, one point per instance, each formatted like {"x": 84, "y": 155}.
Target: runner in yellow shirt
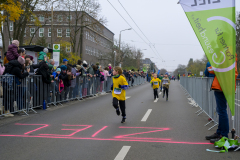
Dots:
{"x": 155, "y": 84}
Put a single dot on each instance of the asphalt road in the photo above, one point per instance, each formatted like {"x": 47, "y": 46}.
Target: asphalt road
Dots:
{"x": 91, "y": 130}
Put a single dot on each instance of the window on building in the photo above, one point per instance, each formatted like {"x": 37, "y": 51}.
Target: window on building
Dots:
{"x": 41, "y": 18}
{"x": 59, "y": 18}
{"x": 11, "y": 26}
{"x": 50, "y": 19}
{"x": 41, "y": 32}
{"x": 67, "y": 32}
{"x": 49, "y": 32}
{"x": 25, "y": 31}
{"x": 69, "y": 18}
{"x": 32, "y": 32}
{"x": 68, "y": 48}
{"x": 59, "y": 32}
{"x": 49, "y": 45}
{"x": 87, "y": 35}
{"x": 32, "y": 19}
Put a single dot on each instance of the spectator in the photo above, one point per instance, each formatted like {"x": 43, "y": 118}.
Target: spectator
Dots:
{"x": 44, "y": 72}
{"x": 32, "y": 66}
{"x": 14, "y": 67}
{"x": 223, "y": 125}
{"x": 207, "y": 74}
{"x": 12, "y": 53}
{"x": 21, "y": 52}
{"x": 42, "y": 55}
{"x": 66, "y": 80}
{"x": 83, "y": 74}
{"x": 110, "y": 69}
{"x": 79, "y": 62}
{"x": 101, "y": 80}
{"x": 5, "y": 61}
{"x": 51, "y": 62}
{"x": 65, "y": 62}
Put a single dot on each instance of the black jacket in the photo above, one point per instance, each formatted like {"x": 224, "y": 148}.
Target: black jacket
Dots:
{"x": 15, "y": 68}
{"x": 65, "y": 79}
{"x": 44, "y": 72}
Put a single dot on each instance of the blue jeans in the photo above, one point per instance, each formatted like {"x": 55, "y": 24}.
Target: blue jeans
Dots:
{"x": 223, "y": 125}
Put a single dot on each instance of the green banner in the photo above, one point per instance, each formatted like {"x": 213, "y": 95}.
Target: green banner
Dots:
{"x": 213, "y": 22}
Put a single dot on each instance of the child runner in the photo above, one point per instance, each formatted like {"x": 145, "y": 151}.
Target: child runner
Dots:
{"x": 119, "y": 94}
{"x": 165, "y": 85}
{"x": 155, "y": 83}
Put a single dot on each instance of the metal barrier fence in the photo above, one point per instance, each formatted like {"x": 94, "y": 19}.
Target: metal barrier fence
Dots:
{"x": 27, "y": 94}
{"x": 199, "y": 95}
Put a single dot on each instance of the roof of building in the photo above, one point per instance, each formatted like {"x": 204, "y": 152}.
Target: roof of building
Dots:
{"x": 36, "y": 48}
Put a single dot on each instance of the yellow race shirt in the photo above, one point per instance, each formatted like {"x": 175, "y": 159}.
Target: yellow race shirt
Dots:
{"x": 155, "y": 82}
{"x": 117, "y": 92}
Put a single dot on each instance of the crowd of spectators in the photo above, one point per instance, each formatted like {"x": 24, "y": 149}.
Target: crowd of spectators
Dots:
{"x": 17, "y": 63}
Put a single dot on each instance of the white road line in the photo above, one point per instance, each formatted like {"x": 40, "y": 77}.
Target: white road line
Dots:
{"x": 121, "y": 155}
{"x": 144, "y": 119}
{"x": 127, "y": 98}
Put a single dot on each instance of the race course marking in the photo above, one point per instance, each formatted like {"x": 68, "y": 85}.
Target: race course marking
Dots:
{"x": 144, "y": 119}
{"x": 123, "y": 152}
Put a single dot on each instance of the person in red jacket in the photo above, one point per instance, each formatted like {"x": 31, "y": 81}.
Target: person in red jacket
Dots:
{"x": 223, "y": 124}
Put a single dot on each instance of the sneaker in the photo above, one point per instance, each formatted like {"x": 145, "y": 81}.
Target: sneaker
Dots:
{"x": 214, "y": 140}
{"x": 163, "y": 96}
{"x": 118, "y": 112}
{"x": 214, "y": 136}
{"x": 166, "y": 99}
{"x": 123, "y": 120}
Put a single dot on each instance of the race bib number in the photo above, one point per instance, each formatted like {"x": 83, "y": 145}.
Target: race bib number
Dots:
{"x": 117, "y": 90}
{"x": 155, "y": 83}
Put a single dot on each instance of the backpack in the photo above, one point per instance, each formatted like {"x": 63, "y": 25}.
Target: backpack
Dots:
{"x": 2, "y": 69}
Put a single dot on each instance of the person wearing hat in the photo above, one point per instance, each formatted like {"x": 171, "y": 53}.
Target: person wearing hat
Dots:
{"x": 12, "y": 53}
{"x": 65, "y": 62}
{"x": 165, "y": 85}
{"x": 42, "y": 55}
{"x": 14, "y": 67}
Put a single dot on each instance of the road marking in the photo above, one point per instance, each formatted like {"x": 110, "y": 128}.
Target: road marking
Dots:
{"x": 123, "y": 152}
{"x": 128, "y": 97}
{"x": 144, "y": 119}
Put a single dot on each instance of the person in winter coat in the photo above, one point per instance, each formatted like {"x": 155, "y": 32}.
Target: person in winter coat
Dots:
{"x": 83, "y": 75}
{"x": 223, "y": 124}
{"x": 65, "y": 77}
{"x": 207, "y": 74}
{"x": 44, "y": 72}
{"x": 14, "y": 67}
{"x": 42, "y": 55}
{"x": 12, "y": 53}
{"x": 165, "y": 85}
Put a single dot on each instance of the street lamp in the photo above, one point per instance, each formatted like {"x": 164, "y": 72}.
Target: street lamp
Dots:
{"x": 52, "y": 23}
{"x": 120, "y": 41}
{"x": 114, "y": 57}
{"x": 120, "y": 36}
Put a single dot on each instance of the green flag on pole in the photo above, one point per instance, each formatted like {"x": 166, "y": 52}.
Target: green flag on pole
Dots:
{"x": 213, "y": 22}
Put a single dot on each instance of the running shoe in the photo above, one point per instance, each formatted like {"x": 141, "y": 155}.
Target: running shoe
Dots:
{"x": 123, "y": 120}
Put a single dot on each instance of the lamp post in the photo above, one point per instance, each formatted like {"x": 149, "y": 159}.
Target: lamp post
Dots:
{"x": 120, "y": 39}
{"x": 52, "y": 23}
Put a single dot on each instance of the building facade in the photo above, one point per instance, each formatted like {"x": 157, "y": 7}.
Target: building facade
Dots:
{"x": 77, "y": 32}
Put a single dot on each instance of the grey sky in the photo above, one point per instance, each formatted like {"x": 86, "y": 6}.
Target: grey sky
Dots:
{"x": 165, "y": 25}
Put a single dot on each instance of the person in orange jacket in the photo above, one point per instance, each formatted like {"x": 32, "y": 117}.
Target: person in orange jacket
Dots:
{"x": 223, "y": 124}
